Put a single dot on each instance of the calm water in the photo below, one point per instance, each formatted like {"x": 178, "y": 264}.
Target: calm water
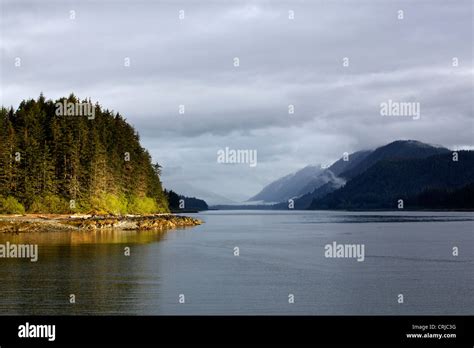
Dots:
{"x": 281, "y": 253}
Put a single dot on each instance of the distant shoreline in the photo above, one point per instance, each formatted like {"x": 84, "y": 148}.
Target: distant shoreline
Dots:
{"x": 62, "y": 222}
{"x": 250, "y": 208}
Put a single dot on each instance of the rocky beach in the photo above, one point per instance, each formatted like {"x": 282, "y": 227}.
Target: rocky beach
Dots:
{"x": 60, "y": 222}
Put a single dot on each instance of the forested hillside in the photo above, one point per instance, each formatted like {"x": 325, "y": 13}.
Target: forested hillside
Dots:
{"x": 432, "y": 182}
{"x": 178, "y": 202}
{"x": 401, "y": 149}
{"x": 56, "y": 163}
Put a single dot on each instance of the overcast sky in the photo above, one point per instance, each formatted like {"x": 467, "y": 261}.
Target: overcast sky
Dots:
{"x": 283, "y": 61}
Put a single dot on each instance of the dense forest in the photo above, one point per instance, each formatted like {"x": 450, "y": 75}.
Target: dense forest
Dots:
{"x": 60, "y": 162}
{"x": 182, "y": 203}
{"x": 461, "y": 198}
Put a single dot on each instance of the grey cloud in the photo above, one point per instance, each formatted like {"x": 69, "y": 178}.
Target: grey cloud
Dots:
{"x": 283, "y": 62}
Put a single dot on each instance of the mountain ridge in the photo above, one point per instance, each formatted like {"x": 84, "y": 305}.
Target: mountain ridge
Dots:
{"x": 388, "y": 181}
{"x": 346, "y": 169}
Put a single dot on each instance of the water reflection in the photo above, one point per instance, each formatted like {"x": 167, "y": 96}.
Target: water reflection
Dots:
{"x": 281, "y": 253}
{"x": 90, "y": 265}
{"x": 83, "y": 237}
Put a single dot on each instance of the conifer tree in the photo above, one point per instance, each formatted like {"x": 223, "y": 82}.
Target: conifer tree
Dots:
{"x": 48, "y": 160}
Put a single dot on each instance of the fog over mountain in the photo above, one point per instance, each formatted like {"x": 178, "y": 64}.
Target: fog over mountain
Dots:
{"x": 376, "y": 179}
{"x": 311, "y": 178}
{"x": 290, "y": 185}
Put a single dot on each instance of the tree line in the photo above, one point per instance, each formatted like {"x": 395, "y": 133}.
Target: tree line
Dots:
{"x": 182, "y": 203}
{"x": 52, "y": 163}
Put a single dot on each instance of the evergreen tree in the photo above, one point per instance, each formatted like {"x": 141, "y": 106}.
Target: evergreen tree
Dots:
{"x": 48, "y": 161}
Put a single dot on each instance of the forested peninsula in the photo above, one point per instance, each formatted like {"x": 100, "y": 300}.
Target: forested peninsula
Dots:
{"x": 71, "y": 156}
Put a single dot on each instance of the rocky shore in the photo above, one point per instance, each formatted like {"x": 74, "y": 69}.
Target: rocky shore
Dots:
{"x": 51, "y": 222}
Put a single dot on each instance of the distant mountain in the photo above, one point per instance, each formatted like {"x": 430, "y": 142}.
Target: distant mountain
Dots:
{"x": 210, "y": 197}
{"x": 412, "y": 179}
{"x": 397, "y": 149}
{"x": 323, "y": 177}
{"x": 316, "y": 188}
{"x": 328, "y": 181}
{"x": 352, "y": 161}
{"x": 324, "y": 182}
{"x": 307, "y": 180}
{"x": 304, "y": 201}
{"x": 289, "y": 186}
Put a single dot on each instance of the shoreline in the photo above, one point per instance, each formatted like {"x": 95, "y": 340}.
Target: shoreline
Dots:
{"x": 81, "y": 222}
